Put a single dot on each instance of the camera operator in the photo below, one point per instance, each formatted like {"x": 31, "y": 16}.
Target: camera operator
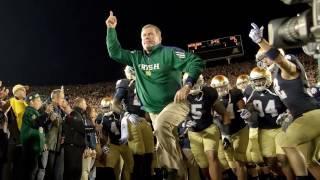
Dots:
{"x": 290, "y": 84}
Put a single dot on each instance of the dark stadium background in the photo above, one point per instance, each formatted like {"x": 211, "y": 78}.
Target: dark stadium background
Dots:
{"x": 46, "y": 42}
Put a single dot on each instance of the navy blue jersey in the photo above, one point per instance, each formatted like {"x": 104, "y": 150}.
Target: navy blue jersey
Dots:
{"x": 126, "y": 93}
{"x": 112, "y": 127}
{"x": 200, "y": 108}
{"x": 293, "y": 93}
{"x": 268, "y": 105}
{"x": 230, "y": 103}
{"x": 247, "y": 92}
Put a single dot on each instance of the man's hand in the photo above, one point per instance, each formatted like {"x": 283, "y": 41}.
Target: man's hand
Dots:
{"x": 256, "y": 33}
{"x": 86, "y": 153}
{"x": 182, "y": 94}
{"x": 45, "y": 147}
{"x": 49, "y": 109}
{"x": 41, "y": 130}
{"x": 66, "y": 107}
{"x": 111, "y": 21}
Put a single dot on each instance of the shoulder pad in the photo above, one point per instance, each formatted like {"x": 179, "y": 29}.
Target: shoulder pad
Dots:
{"x": 122, "y": 83}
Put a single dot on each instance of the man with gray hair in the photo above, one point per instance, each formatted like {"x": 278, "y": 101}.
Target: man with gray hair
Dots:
{"x": 54, "y": 138}
{"x": 158, "y": 72}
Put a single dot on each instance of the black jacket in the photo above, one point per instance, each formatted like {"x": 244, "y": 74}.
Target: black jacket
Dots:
{"x": 74, "y": 128}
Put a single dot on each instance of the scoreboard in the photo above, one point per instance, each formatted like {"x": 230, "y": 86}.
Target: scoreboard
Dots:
{"x": 219, "y": 48}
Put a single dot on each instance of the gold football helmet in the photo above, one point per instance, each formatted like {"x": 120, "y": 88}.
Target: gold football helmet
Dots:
{"x": 106, "y": 103}
{"x": 260, "y": 78}
{"x": 221, "y": 83}
{"x": 242, "y": 82}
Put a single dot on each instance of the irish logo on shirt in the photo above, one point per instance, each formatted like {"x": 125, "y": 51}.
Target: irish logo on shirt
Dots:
{"x": 148, "y": 68}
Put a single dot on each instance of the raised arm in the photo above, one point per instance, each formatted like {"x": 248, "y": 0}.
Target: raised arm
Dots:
{"x": 113, "y": 45}
{"x": 288, "y": 69}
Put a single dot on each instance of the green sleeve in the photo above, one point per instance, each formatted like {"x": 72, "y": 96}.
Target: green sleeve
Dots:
{"x": 188, "y": 62}
{"x": 115, "y": 50}
{"x": 28, "y": 131}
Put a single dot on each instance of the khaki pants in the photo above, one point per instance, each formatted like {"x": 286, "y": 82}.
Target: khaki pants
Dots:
{"x": 114, "y": 158}
{"x": 267, "y": 141}
{"x": 239, "y": 145}
{"x": 222, "y": 158}
{"x": 203, "y": 141}
{"x": 141, "y": 138}
{"x": 303, "y": 130}
{"x": 316, "y": 154}
{"x": 193, "y": 168}
{"x": 86, "y": 167}
{"x": 165, "y": 129}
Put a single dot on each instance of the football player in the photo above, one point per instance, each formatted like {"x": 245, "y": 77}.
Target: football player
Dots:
{"x": 141, "y": 142}
{"x": 236, "y": 134}
{"x": 203, "y": 133}
{"x": 242, "y": 82}
{"x": 290, "y": 84}
{"x": 267, "y": 106}
{"x": 116, "y": 148}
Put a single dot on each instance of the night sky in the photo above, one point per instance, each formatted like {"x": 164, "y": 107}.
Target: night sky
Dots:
{"x": 46, "y": 42}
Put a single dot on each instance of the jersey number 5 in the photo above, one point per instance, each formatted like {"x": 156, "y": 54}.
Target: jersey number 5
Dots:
{"x": 196, "y": 111}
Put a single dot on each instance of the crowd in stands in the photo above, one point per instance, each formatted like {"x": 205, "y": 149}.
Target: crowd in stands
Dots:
{"x": 95, "y": 92}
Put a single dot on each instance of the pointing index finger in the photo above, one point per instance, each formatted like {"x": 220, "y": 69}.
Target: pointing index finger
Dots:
{"x": 254, "y": 26}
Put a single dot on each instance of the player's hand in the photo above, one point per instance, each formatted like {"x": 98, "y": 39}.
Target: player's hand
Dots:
{"x": 284, "y": 120}
{"x": 182, "y": 94}
{"x": 245, "y": 114}
{"x": 256, "y": 33}
{"x": 93, "y": 153}
{"x": 111, "y": 21}
{"x": 105, "y": 149}
{"x": 190, "y": 124}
